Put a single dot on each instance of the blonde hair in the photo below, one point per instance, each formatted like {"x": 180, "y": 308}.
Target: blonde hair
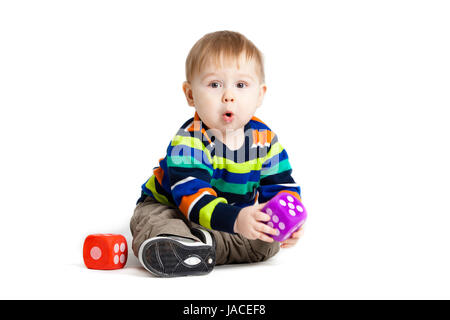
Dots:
{"x": 212, "y": 47}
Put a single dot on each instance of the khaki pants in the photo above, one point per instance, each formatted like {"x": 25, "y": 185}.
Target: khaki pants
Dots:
{"x": 152, "y": 218}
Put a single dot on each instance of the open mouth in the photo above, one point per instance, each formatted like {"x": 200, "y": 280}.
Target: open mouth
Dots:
{"x": 228, "y": 116}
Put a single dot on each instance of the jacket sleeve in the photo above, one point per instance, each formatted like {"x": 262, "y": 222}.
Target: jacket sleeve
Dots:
{"x": 276, "y": 174}
{"x": 190, "y": 170}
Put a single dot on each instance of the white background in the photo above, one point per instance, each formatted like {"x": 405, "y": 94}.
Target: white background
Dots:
{"x": 358, "y": 92}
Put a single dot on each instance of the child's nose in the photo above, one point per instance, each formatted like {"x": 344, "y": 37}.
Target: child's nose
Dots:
{"x": 227, "y": 97}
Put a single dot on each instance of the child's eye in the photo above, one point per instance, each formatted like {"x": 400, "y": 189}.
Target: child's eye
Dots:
{"x": 241, "y": 85}
{"x": 214, "y": 84}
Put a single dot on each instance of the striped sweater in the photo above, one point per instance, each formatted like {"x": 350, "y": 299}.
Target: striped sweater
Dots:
{"x": 210, "y": 183}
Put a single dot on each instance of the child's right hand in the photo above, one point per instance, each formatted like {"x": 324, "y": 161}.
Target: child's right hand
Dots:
{"x": 249, "y": 223}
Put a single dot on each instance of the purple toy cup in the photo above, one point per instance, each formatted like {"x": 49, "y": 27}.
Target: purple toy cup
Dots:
{"x": 287, "y": 215}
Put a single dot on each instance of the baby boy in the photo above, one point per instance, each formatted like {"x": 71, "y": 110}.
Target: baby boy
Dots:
{"x": 202, "y": 205}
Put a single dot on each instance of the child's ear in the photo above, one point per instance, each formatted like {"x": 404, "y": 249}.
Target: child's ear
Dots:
{"x": 187, "y": 89}
{"x": 262, "y": 93}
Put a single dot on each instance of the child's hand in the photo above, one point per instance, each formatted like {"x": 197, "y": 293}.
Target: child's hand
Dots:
{"x": 249, "y": 223}
{"x": 292, "y": 240}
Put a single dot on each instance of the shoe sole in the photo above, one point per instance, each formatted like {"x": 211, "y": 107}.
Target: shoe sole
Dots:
{"x": 166, "y": 257}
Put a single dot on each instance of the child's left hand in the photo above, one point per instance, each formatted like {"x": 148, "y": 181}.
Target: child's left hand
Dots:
{"x": 292, "y": 240}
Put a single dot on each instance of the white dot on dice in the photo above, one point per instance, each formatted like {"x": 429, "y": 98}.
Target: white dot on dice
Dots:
{"x": 116, "y": 248}
{"x": 281, "y": 225}
{"x": 290, "y": 205}
{"x": 122, "y": 247}
{"x": 275, "y": 218}
{"x": 290, "y": 199}
{"x": 269, "y": 212}
{"x": 96, "y": 253}
{"x": 277, "y": 232}
{"x": 122, "y": 258}
{"x": 116, "y": 259}
{"x": 300, "y": 209}
{"x": 283, "y": 203}
{"x": 292, "y": 212}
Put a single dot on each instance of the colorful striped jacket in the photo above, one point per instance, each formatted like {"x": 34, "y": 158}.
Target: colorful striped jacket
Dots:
{"x": 210, "y": 183}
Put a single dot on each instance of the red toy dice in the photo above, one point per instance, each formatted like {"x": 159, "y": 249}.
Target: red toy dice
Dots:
{"x": 105, "y": 251}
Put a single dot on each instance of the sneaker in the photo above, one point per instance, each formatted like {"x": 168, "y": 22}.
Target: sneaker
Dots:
{"x": 172, "y": 256}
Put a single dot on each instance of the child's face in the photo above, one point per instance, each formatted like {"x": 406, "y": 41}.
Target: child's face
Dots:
{"x": 226, "y": 97}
